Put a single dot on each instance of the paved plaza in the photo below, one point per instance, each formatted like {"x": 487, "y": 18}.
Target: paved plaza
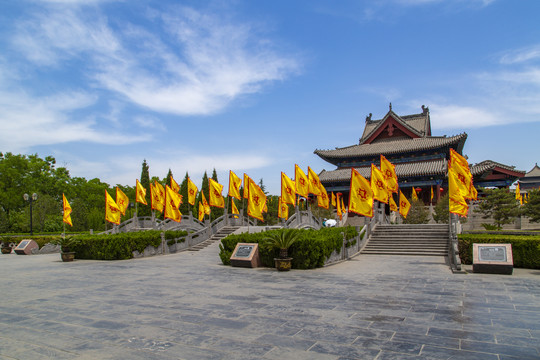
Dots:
{"x": 189, "y": 306}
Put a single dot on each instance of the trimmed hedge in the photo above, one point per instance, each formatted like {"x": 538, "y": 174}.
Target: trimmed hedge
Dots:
{"x": 525, "y": 248}
{"x": 311, "y": 249}
{"x": 120, "y": 246}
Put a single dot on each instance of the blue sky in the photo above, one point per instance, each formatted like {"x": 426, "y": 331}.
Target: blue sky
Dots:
{"x": 257, "y": 86}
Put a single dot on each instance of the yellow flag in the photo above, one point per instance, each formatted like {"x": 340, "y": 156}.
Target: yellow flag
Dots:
{"x": 172, "y": 203}
{"x": 457, "y": 204}
{"x": 432, "y": 193}
{"x": 526, "y": 198}
{"x": 404, "y": 205}
{"x": 121, "y": 200}
{"x": 174, "y": 185}
{"x": 288, "y": 190}
{"x": 256, "y": 201}
{"x": 201, "y": 211}
{"x": 393, "y": 205}
{"x": 314, "y": 186}
{"x": 234, "y": 209}
{"x": 389, "y": 172}
{"x": 158, "y": 196}
{"x": 464, "y": 180}
{"x": 192, "y": 191}
{"x": 474, "y": 193}
{"x": 67, "y": 211}
{"x": 413, "y": 194}
{"x": 301, "y": 181}
{"x": 360, "y": 195}
{"x": 215, "y": 197}
{"x": 343, "y": 208}
{"x": 205, "y": 204}
{"x": 378, "y": 185}
{"x": 112, "y": 211}
{"x": 283, "y": 212}
{"x": 234, "y": 185}
{"x": 338, "y": 207}
{"x": 322, "y": 199}
{"x": 334, "y": 200}
{"x": 518, "y": 194}
{"x": 140, "y": 193}
{"x": 246, "y": 186}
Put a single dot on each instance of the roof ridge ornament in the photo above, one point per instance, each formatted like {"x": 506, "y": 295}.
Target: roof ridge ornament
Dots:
{"x": 390, "y": 106}
{"x": 368, "y": 118}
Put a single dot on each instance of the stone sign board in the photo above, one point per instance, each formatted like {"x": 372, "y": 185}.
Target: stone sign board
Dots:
{"x": 493, "y": 259}
{"x": 25, "y": 247}
{"x": 246, "y": 255}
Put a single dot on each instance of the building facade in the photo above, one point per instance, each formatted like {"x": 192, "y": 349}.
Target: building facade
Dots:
{"x": 420, "y": 159}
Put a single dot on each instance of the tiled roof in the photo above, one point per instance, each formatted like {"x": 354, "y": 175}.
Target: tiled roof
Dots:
{"x": 421, "y": 168}
{"x": 535, "y": 172}
{"x": 391, "y": 146}
{"x": 486, "y": 165}
{"x": 417, "y": 123}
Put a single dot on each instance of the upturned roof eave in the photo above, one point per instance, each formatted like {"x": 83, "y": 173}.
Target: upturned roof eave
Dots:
{"x": 457, "y": 140}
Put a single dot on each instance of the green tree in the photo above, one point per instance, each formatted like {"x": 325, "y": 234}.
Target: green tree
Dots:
{"x": 184, "y": 207}
{"x": 417, "y": 213}
{"x": 441, "y": 213}
{"x": 145, "y": 210}
{"x": 203, "y": 189}
{"x": 167, "y": 180}
{"x": 500, "y": 205}
{"x": 532, "y": 207}
{"x": 217, "y": 212}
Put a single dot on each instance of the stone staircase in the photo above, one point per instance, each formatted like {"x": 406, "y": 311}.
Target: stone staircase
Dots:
{"x": 408, "y": 239}
{"x": 223, "y": 232}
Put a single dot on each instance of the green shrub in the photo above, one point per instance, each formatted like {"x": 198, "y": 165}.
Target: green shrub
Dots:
{"x": 525, "y": 249}
{"x": 116, "y": 246}
{"x": 311, "y": 249}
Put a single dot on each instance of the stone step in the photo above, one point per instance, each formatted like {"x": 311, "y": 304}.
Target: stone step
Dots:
{"x": 222, "y": 233}
{"x": 408, "y": 239}
{"x": 399, "y": 252}
{"x": 406, "y": 246}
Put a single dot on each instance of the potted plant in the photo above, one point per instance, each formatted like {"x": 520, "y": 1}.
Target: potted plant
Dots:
{"x": 6, "y": 247}
{"x": 282, "y": 240}
{"x": 66, "y": 247}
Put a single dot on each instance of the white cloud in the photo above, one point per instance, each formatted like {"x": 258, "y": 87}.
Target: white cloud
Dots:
{"x": 27, "y": 121}
{"x": 198, "y": 66}
{"x": 521, "y": 55}
{"x": 461, "y": 117}
{"x": 149, "y": 122}
{"x": 125, "y": 169}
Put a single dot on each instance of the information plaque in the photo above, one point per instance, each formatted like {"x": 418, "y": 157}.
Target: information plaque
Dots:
{"x": 493, "y": 259}
{"x": 25, "y": 247}
{"x": 246, "y": 255}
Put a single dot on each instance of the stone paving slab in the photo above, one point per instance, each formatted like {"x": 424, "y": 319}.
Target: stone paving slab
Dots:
{"x": 189, "y": 306}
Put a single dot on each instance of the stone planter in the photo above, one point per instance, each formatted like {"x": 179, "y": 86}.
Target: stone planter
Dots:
{"x": 283, "y": 264}
{"x": 67, "y": 256}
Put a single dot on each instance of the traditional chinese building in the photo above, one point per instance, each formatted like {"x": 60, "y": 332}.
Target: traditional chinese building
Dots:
{"x": 531, "y": 180}
{"x": 419, "y": 157}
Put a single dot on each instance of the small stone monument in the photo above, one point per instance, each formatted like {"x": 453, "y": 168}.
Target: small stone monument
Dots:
{"x": 493, "y": 259}
{"x": 246, "y": 255}
{"x": 25, "y": 247}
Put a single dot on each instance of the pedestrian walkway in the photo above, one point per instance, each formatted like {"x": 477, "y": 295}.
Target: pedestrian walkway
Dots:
{"x": 189, "y": 306}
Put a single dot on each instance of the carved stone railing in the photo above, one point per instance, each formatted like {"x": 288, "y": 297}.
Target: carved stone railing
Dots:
{"x": 453, "y": 244}
{"x": 303, "y": 220}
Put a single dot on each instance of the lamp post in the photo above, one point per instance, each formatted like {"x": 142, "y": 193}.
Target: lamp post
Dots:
{"x": 30, "y": 199}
